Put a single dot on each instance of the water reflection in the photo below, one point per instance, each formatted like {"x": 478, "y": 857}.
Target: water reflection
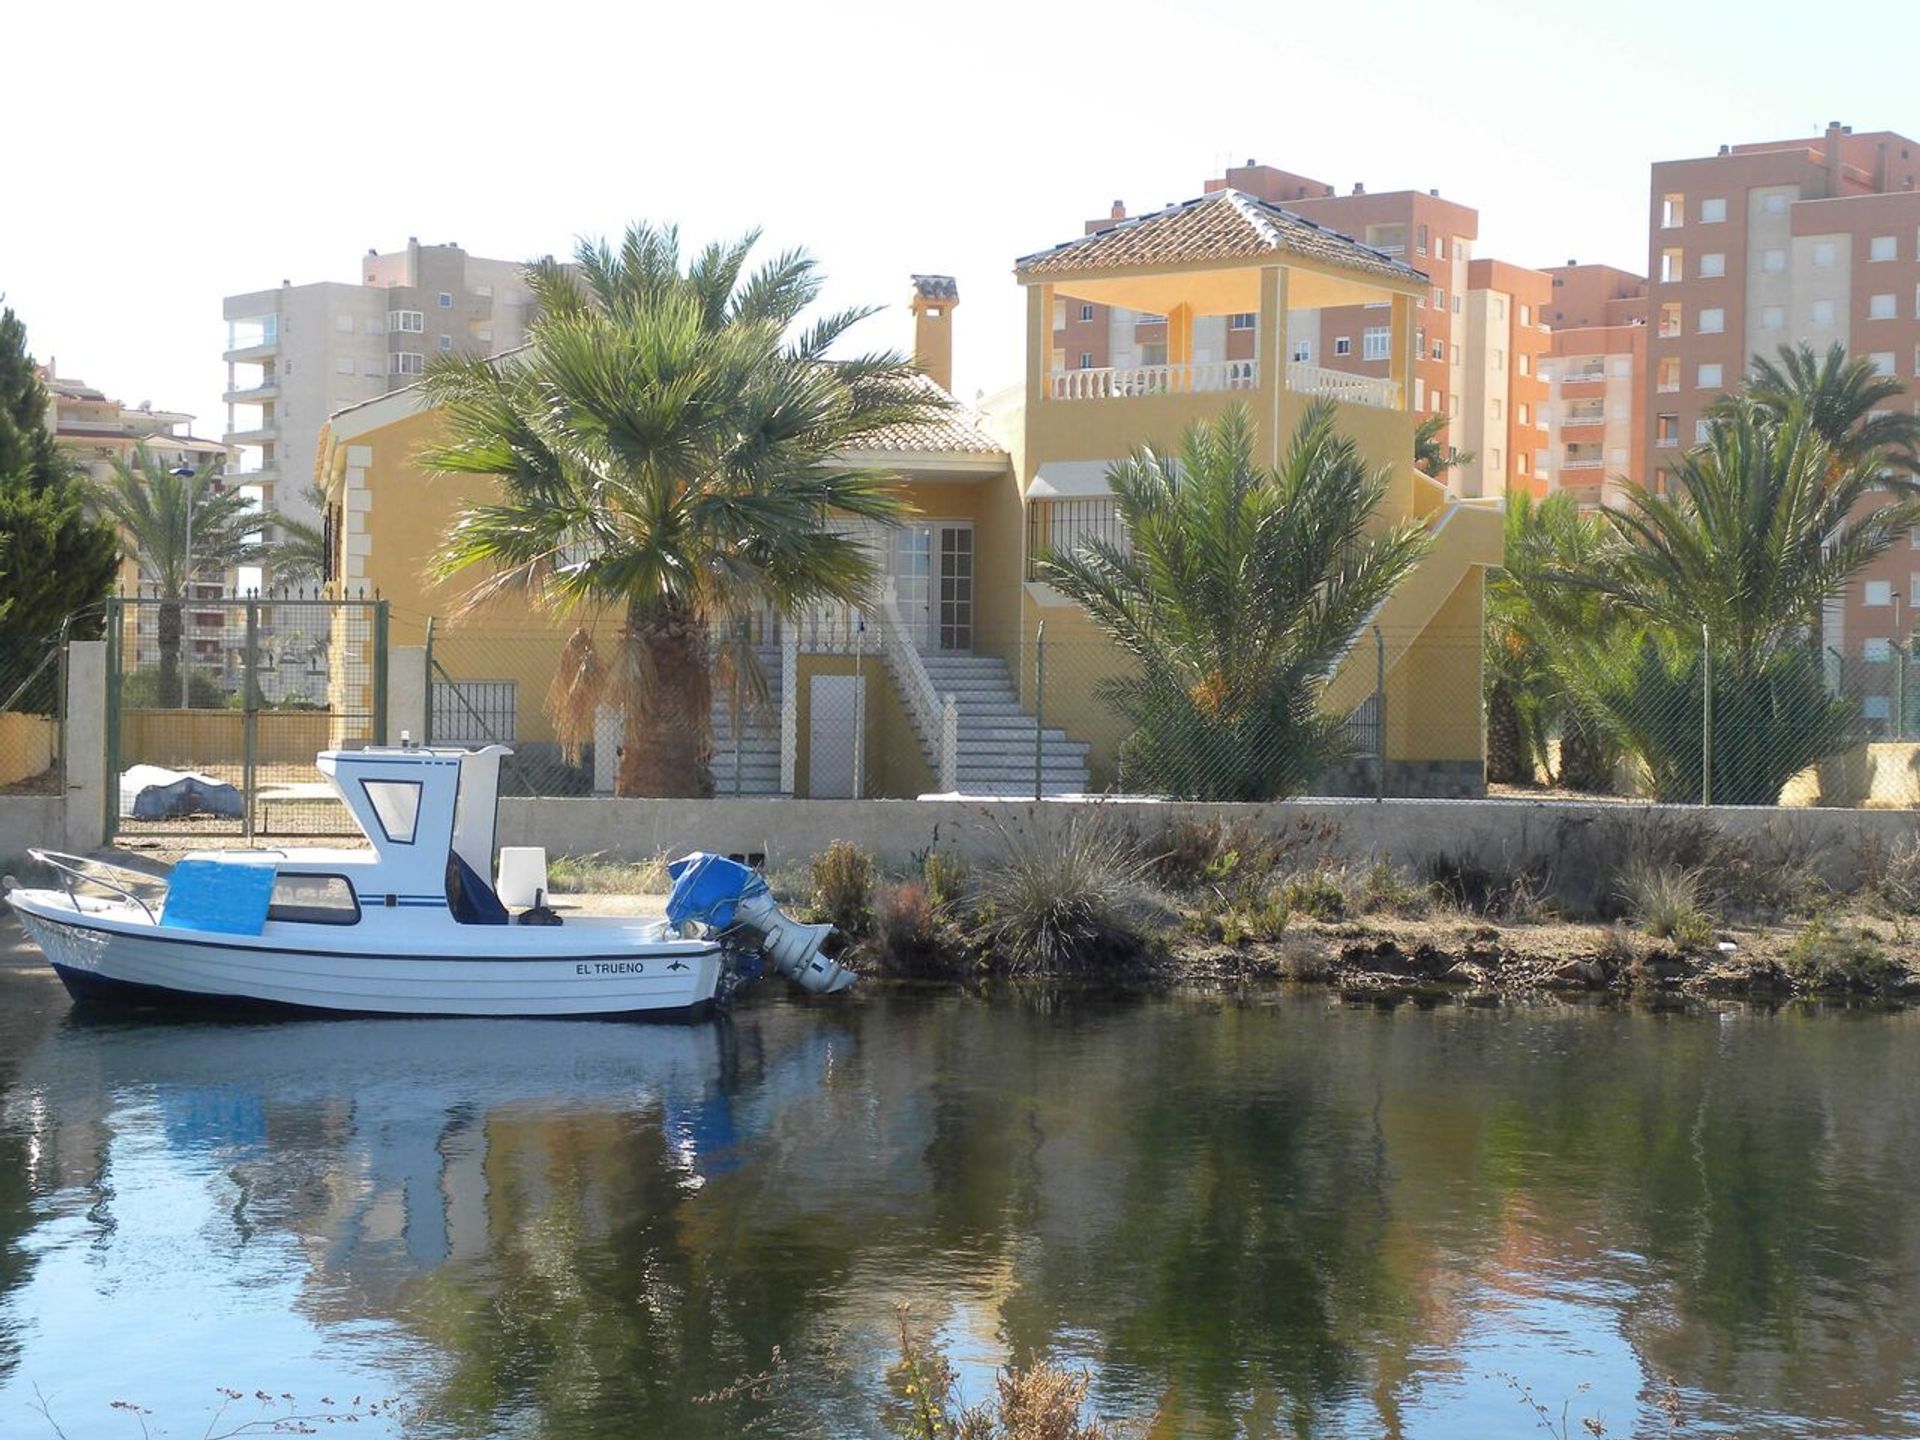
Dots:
{"x": 1278, "y": 1218}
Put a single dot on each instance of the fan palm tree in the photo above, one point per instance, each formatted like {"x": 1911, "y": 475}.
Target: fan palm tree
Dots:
{"x": 1430, "y": 457}
{"x": 670, "y": 447}
{"x": 178, "y": 528}
{"x": 297, "y": 554}
{"x": 1762, "y": 526}
{"x": 1846, "y": 402}
{"x": 1237, "y": 595}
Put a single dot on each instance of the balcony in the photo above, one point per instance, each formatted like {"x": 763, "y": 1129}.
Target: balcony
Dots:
{"x": 264, "y": 433}
{"x": 1582, "y": 462}
{"x": 1580, "y": 374}
{"x": 1114, "y": 383}
{"x": 1216, "y": 377}
{"x": 255, "y": 394}
{"x": 1579, "y": 415}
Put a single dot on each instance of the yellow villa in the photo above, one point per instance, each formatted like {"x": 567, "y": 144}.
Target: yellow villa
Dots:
{"x": 934, "y": 687}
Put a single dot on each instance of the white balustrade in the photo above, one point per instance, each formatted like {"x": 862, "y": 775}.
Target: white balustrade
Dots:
{"x": 924, "y": 702}
{"x": 1118, "y": 383}
{"x": 1308, "y": 379}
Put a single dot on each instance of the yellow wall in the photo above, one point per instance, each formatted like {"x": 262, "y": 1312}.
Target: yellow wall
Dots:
{"x": 218, "y": 737}
{"x": 26, "y": 746}
{"x": 896, "y": 767}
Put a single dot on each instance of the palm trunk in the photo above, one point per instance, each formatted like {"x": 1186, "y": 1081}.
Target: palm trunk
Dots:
{"x": 1586, "y": 759}
{"x": 168, "y": 626}
{"x": 668, "y": 747}
{"x": 1508, "y": 762}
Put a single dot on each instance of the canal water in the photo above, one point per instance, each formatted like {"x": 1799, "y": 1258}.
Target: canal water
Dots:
{"x": 1271, "y": 1216}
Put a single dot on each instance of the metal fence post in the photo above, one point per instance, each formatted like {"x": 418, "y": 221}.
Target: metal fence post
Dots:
{"x": 380, "y": 672}
{"x": 1039, "y": 707}
{"x": 1899, "y": 691}
{"x": 1706, "y": 716}
{"x": 859, "y": 707}
{"x": 250, "y": 719}
{"x": 734, "y": 719}
{"x": 1379, "y": 716}
{"x": 426, "y": 733}
{"x": 111, "y": 820}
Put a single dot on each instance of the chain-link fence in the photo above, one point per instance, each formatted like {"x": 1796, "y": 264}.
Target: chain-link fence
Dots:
{"x": 32, "y": 700}
{"x": 218, "y": 704}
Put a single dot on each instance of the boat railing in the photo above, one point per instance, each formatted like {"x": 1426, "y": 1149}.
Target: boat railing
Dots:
{"x": 84, "y": 869}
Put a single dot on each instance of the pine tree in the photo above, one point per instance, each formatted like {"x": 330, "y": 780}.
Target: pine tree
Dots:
{"x": 55, "y": 558}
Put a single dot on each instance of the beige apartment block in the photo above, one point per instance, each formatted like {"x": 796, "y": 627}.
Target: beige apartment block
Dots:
{"x": 1594, "y": 425}
{"x": 297, "y": 353}
{"x": 1420, "y": 228}
{"x": 1775, "y": 243}
{"x": 1503, "y": 392}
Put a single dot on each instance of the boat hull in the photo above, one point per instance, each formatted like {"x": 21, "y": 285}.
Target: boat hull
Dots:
{"x": 104, "y": 963}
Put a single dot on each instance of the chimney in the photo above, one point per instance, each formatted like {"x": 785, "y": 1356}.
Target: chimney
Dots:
{"x": 1118, "y": 212}
{"x": 1834, "y": 131}
{"x": 934, "y": 297}
{"x": 1434, "y": 193}
{"x": 1358, "y": 188}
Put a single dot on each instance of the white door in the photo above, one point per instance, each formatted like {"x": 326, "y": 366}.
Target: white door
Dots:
{"x": 833, "y": 705}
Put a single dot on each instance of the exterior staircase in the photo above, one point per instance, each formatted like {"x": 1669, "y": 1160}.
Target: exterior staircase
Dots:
{"x": 758, "y": 745}
{"x": 995, "y": 752}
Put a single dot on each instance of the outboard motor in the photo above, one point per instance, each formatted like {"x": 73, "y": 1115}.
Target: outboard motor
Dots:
{"x": 724, "y": 895}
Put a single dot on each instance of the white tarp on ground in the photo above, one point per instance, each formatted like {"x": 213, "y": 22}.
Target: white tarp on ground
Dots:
{"x": 153, "y": 792}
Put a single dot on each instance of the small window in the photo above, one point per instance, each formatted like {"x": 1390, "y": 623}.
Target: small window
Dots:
{"x": 1526, "y": 314}
{"x": 1713, "y": 321}
{"x": 1875, "y": 707}
{"x": 1776, "y": 203}
{"x": 1496, "y": 407}
{"x": 343, "y": 365}
{"x": 1876, "y": 649}
{"x": 1673, "y": 211}
{"x": 1343, "y": 345}
{"x": 1526, "y": 363}
{"x": 446, "y": 300}
{"x": 1670, "y": 318}
{"x": 1822, "y": 312}
{"x": 1378, "y": 343}
{"x": 1702, "y": 431}
{"x": 1456, "y": 302}
{"x": 1666, "y": 430}
{"x": 1303, "y": 351}
{"x": 1241, "y": 321}
{"x": 1086, "y": 359}
{"x": 1439, "y": 298}
{"x": 1708, "y": 377}
{"x": 1673, "y": 264}
{"x": 343, "y": 323}
{"x": 1499, "y": 307}
{"x": 376, "y": 365}
{"x": 1086, "y": 312}
{"x": 1824, "y": 254}
{"x": 1773, "y": 317}
{"x": 407, "y": 362}
{"x": 313, "y": 900}
{"x": 410, "y": 322}
{"x": 1499, "y": 358}
{"x": 1713, "y": 211}
{"x": 1880, "y": 307}
{"x": 1498, "y": 459}
{"x": 1877, "y": 593}
{"x": 1439, "y": 350}
{"x": 396, "y": 805}
{"x": 1440, "y": 402}
{"x": 1883, "y": 247}
{"x": 1526, "y": 415}
{"x": 1883, "y": 363}
{"x": 1713, "y": 265}
{"x": 446, "y": 344}
{"x": 1773, "y": 261}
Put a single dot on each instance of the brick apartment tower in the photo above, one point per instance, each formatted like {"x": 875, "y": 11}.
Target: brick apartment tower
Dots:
{"x": 1776, "y": 243}
{"x": 1471, "y": 349}
{"x": 1595, "y": 427}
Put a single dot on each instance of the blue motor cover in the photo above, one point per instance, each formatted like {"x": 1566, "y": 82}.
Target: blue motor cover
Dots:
{"x": 706, "y": 888}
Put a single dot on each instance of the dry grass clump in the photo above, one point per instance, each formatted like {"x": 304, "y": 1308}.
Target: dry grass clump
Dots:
{"x": 1317, "y": 894}
{"x": 1387, "y": 890}
{"x": 1517, "y": 893}
{"x": 1070, "y": 900}
{"x": 597, "y": 875}
{"x": 947, "y": 877}
{"x": 1040, "y": 1402}
{"x": 1668, "y": 902}
{"x": 1891, "y": 876}
{"x": 842, "y": 887}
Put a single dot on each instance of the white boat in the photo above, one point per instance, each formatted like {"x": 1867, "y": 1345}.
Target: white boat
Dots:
{"x": 408, "y": 926}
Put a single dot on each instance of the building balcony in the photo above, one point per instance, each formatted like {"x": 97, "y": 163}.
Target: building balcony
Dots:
{"x": 255, "y": 394}
{"x": 1576, "y": 417}
{"x": 262, "y": 434}
{"x": 1582, "y": 462}
{"x": 1218, "y": 377}
{"x": 1580, "y": 375}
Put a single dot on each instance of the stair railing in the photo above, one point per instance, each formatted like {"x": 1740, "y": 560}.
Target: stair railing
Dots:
{"x": 934, "y": 715}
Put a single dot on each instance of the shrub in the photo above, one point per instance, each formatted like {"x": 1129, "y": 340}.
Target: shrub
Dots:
{"x": 1316, "y": 894}
{"x": 1041, "y": 1402}
{"x": 1893, "y": 876}
{"x": 1385, "y": 888}
{"x": 842, "y": 878}
{"x": 1667, "y": 902}
{"x": 906, "y": 925}
{"x": 1261, "y": 916}
{"x": 1068, "y": 900}
{"x": 1304, "y": 958}
{"x": 141, "y": 690}
{"x": 1840, "y": 957}
{"x": 946, "y": 877}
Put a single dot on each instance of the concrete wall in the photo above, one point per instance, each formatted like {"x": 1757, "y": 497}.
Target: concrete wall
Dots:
{"x": 1501, "y": 835}
{"x": 30, "y": 820}
{"x": 26, "y": 746}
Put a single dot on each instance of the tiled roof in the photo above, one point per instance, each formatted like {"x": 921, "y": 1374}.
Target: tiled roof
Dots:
{"x": 955, "y": 431}
{"x": 936, "y": 287}
{"x": 1225, "y": 225}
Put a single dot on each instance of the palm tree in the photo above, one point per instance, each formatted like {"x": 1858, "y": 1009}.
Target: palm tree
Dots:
{"x": 1432, "y": 459}
{"x": 178, "y": 528}
{"x": 1762, "y": 526}
{"x": 1529, "y": 612}
{"x": 297, "y": 554}
{"x": 1238, "y": 593}
{"x": 1847, "y": 403}
{"x": 671, "y": 447}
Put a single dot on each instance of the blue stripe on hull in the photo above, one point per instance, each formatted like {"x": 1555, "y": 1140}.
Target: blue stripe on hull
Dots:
{"x": 90, "y": 989}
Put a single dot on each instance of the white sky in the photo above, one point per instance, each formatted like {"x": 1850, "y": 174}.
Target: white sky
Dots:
{"x": 178, "y": 153}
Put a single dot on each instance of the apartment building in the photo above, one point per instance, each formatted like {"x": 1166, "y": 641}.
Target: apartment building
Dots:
{"x": 1432, "y": 235}
{"x": 297, "y": 353}
{"x": 1594, "y": 428}
{"x": 1503, "y": 396}
{"x": 1780, "y": 242}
